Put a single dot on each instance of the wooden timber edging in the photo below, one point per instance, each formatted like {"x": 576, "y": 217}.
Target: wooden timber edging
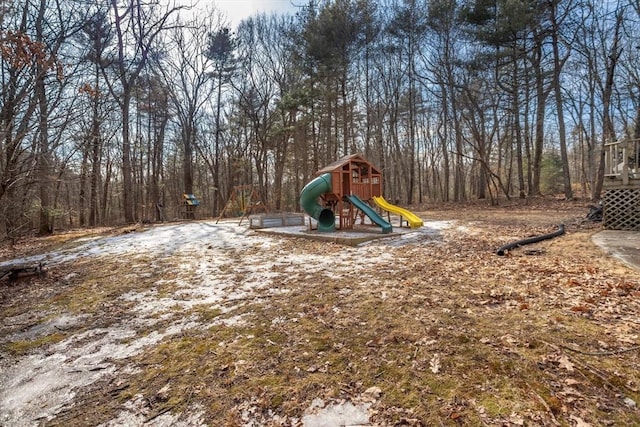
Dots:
{"x": 334, "y": 237}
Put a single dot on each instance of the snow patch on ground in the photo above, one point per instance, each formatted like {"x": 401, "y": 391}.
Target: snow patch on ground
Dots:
{"x": 221, "y": 265}
{"x": 40, "y": 385}
{"x": 346, "y": 413}
{"x": 136, "y": 413}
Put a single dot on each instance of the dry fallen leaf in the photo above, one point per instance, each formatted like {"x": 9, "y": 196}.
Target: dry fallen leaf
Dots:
{"x": 565, "y": 363}
{"x": 373, "y": 393}
{"x": 579, "y": 421}
{"x": 434, "y": 363}
{"x": 516, "y": 419}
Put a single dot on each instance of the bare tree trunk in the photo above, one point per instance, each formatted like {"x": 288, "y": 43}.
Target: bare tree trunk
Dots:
{"x": 557, "y": 88}
{"x": 345, "y": 114}
{"x": 541, "y": 95}
{"x": 105, "y": 191}
{"x": 608, "y": 132}
{"x": 82, "y": 191}
{"x": 515, "y": 102}
{"x": 459, "y": 193}
{"x": 95, "y": 163}
{"x": 217, "y": 201}
{"x": 127, "y": 179}
{"x": 44, "y": 158}
{"x": 443, "y": 131}
{"x": 144, "y": 31}
{"x": 188, "y": 132}
{"x": 412, "y": 127}
{"x": 157, "y": 169}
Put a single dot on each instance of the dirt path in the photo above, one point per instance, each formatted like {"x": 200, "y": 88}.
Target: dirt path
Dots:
{"x": 204, "y": 324}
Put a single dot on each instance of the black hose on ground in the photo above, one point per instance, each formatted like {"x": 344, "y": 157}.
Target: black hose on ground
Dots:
{"x": 503, "y": 249}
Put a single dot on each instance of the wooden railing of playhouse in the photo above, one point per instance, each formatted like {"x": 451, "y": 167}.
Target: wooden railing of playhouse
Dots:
{"x": 361, "y": 190}
{"x": 622, "y": 160}
{"x": 365, "y": 189}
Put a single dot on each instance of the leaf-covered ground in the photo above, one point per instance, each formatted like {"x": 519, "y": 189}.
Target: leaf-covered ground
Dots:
{"x": 232, "y": 327}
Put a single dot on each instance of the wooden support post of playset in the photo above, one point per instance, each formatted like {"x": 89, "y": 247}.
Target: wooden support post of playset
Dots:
{"x": 245, "y": 199}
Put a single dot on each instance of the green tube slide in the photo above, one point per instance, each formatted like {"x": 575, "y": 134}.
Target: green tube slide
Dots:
{"x": 309, "y": 202}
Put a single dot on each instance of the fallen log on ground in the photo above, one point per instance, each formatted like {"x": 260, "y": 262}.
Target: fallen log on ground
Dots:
{"x": 504, "y": 249}
{"x": 15, "y": 272}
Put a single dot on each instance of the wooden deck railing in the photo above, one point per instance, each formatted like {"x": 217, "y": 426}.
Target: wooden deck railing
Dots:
{"x": 622, "y": 160}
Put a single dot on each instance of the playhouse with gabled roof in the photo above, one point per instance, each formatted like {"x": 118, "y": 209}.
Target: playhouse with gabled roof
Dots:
{"x": 344, "y": 186}
{"x": 353, "y": 175}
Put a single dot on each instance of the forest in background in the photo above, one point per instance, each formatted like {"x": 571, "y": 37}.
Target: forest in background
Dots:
{"x": 111, "y": 110}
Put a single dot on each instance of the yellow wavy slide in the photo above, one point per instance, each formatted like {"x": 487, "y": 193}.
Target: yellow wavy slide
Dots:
{"x": 414, "y": 220}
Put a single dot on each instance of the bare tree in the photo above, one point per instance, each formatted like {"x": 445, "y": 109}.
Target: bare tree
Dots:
{"x": 445, "y": 34}
{"x": 29, "y": 57}
{"x": 409, "y": 26}
{"x": 220, "y": 50}
{"x": 556, "y": 17}
{"x": 96, "y": 36}
{"x": 52, "y": 28}
{"x": 608, "y": 132}
{"x": 137, "y": 25}
{"x": 187, "y": 76}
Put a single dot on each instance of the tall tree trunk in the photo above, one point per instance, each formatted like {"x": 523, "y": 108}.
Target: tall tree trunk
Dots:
{"x": 157, "y": 198}
{"x": 44, "y": 158}
{"x": 412, "y": 126}
{"x": 188, "y": 137}
{"x": 104, "y": 206}
{"x": 608, "y": 133}
{"x": 443, "y": 131}
{"x": 538, "y": 143}
{"x": 459, "y": 193}
{"x": 82, "y": 191}
{"x": 96, "y": 148}
{"x": 345, "y": 114}
{"x": 515, "y": 102}
{"x": 217, "y": 201}
{"x": 557, "y": 88}
{"x": 127, "y": 178}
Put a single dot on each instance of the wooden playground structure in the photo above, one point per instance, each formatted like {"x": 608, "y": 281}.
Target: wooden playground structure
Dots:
{"x": 189, "y": 204}
{"x": 350, "y": 187}
{"x": 350, "y": 176}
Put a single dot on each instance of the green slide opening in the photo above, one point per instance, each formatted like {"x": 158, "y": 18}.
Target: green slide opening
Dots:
{"x": 309, "y": 202}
